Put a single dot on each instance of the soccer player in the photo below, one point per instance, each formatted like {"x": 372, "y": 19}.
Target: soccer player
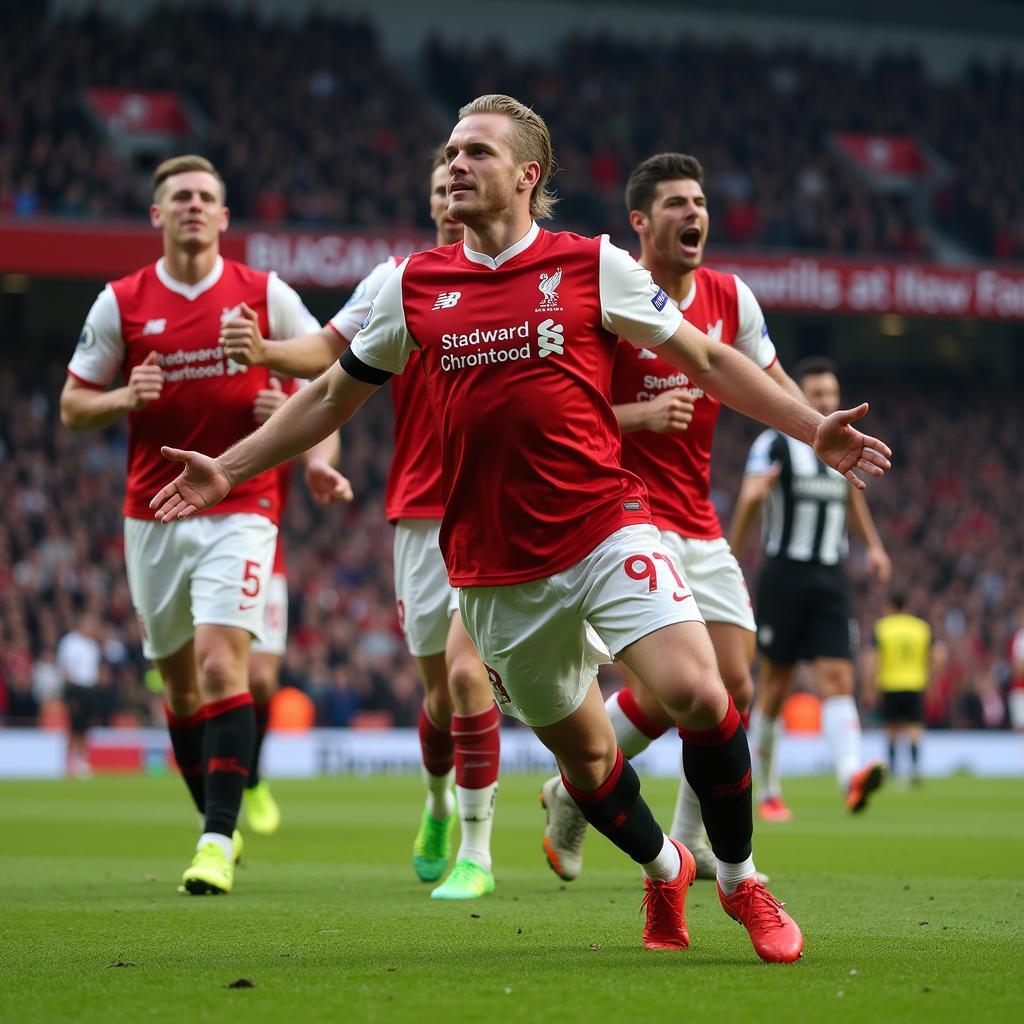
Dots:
{"x": 900, "y": 670}
{"x": 459, "y": 721}
{"x": 262, "y": 813}
{"x": 803, "y": 602}
{"x": 543, "y": 531}
{"x": 668, "y": 425}
{"x": 198, "y": 587}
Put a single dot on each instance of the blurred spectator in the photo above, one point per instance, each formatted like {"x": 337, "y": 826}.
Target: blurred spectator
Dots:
{"x": 80, "y": 659}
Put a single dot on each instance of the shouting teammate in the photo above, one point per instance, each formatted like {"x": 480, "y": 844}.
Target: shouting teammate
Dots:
{"x": 459, "y": 722}
{"x": 803, "y": 598}
{"x": 668, "y": 425}
{"x": 198, "y": 587}
{"x": 543, "y": 531}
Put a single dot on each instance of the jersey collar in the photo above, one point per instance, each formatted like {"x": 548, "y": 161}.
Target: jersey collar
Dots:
{"x": 522, "y": 245}
{"x": 190, "y": 291}
{"x": 690, "y": 296}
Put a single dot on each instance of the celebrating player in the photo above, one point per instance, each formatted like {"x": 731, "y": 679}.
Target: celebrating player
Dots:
{"x": 803, "y": 599}
{"x": 198, "y": 587}
{"x": 668, "y": 425}
{"x": 543, "y": 531}
{"x": 459, "y": 722}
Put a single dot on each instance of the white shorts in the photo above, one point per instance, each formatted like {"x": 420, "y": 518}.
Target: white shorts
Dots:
{"x": 534, "y": 637}
{"x": 714, "y": 575}
{"x": 1016, "y": 702}
{"x": 275, "y": 618}
{"x": 426, "y": 600}
{"x": 207, "y": 570}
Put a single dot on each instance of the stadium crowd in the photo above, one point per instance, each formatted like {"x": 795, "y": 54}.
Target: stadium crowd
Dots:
{"x": 953, "y": 534}
{"x": 324, "y": 92}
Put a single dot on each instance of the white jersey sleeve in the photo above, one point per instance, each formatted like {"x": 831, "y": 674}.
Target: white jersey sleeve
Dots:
{"x": 350, "y": 317}
{"x": 632, "y": 305}
{"x": 752, "y": 338}
{"x": 384, "y": 341}
{"x": 99, "y": 354}
{"x": 761, "y": 457}
{"x": 286, "y": 312}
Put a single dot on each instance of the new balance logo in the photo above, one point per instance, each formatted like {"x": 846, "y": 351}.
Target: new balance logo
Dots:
{"x": 155, "y": 326}
{"x": 550, "y": 339}
{"x": 646, "y": 353}
{"x": 715, "y": 331}
{"x": 447, "y": 300}
{"x": 226, "y": 764}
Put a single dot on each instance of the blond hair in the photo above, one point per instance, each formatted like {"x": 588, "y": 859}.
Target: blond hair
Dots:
{"x": 181, "y": 164}
{"x": 531, "y": 142}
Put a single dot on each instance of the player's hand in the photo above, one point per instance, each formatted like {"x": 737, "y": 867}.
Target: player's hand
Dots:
{"x": 670, "y": 412}
{"x": 202, "y": 484}
{"x": 242, "y": 339}
{"x": 145, "y": 383}
{"x": 840, "y": 445}
{"x": 326, "y": 485}
{"x": 268, "y": 401}
{"x": 879, "y": 565}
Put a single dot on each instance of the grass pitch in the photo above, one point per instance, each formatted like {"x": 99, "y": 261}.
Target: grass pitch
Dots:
{"x": 913, "y": 911}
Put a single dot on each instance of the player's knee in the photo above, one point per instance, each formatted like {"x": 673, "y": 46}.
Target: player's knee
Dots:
{"x": 262, "y": 686}
{"x": 220, "y": 676}
{"x": 468, "y": 684}
{"x": 590, "y": 760}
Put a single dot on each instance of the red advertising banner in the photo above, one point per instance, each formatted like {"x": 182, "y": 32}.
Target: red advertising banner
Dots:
{"x": 50, "y": 247}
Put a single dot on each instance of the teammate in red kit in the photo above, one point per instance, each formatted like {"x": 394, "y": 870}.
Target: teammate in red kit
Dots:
{"x": 459, "y": 722}
{"x": 543, "y": 531}
{"x": 262, "y": 813}
{"x": 668, "y": 425}
{"x": 198, "y": 587}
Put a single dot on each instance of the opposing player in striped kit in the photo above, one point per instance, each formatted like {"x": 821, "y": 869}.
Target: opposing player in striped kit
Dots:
{"x": 543, "y": 531}
{"x": 804, "y": 610}
{"x": 459, "y": 722}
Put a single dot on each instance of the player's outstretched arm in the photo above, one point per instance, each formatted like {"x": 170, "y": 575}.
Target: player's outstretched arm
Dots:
{"x": 307, "y": 418}
{"x": 306, "y": 356}
{"x": 733, "y": 379}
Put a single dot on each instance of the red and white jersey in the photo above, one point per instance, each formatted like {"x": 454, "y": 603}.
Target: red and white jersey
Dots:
{"x": 207, "y": 399}
{"x": 677, "y": 467}
{"x": 517, "y": 354}
{"x": 413, "y": 488}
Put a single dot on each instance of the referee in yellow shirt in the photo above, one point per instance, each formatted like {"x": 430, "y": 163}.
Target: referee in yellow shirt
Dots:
{"x": 902, "y": 667}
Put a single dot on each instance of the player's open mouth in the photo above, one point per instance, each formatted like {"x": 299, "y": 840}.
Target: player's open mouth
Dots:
{"x": 689, "y": 241}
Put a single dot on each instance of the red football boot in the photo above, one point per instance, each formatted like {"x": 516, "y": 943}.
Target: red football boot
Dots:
{"x": 665, "y": 903}
{"x": 773, "y": 808}
{"x": 862, "y": 785}
{"x": 776, "y": 937}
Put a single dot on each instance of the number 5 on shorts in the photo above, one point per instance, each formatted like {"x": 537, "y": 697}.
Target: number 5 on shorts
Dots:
{"x": 250, "y": 583}
{"x": 642, "y": 567}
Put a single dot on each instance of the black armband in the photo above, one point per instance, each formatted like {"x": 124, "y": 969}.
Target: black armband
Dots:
{"x": 355, "y": 367}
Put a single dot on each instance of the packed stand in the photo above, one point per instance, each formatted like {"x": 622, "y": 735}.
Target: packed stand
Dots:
{"x": 953, "y": 534}
{"x": 312, "y": 124}
{"x": 306, "y": 123}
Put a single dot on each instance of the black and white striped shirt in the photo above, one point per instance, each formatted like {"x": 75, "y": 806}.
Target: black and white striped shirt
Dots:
{"x": 805, "y": 513}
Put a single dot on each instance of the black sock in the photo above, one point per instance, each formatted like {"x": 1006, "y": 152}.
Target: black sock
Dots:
{"x": 187, "y": 744}
{"x": 892, "y": 756}
{"x": 617, "y": 810}
{"x": 717, "y": 766}
{"x": 227, "y": 754}
{"x": 913, "y": 755}
{"x": 262, "y": 709}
